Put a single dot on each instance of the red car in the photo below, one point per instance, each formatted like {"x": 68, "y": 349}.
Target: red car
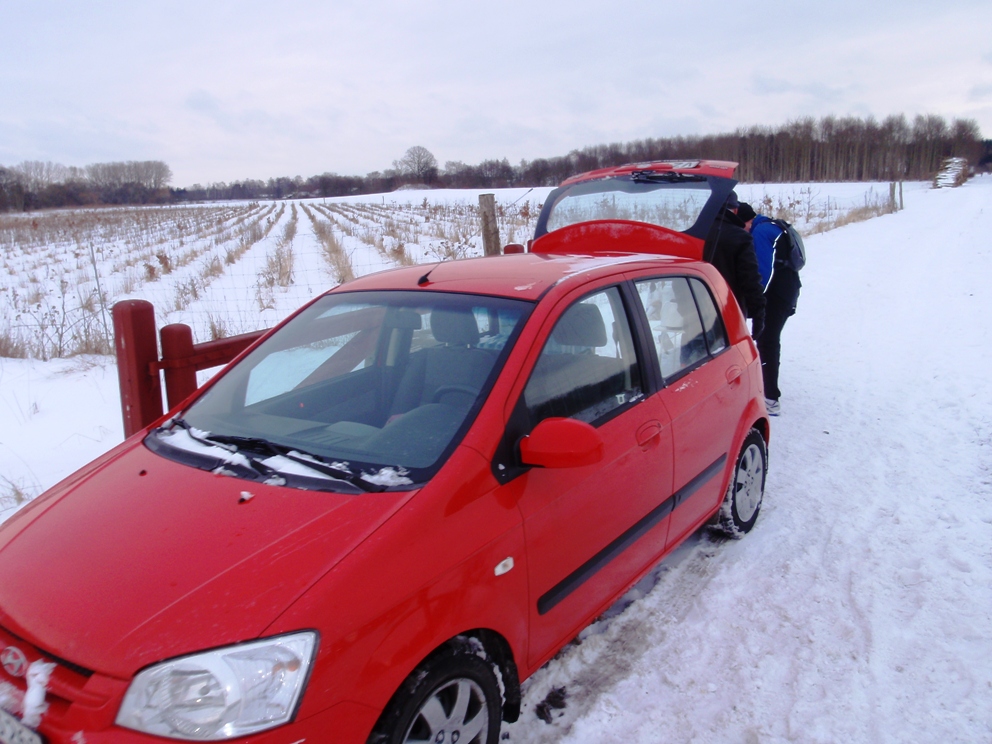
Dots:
{"x": 405, "y": 499}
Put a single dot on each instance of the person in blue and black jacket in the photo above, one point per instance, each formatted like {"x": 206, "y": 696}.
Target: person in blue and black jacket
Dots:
{"x": 781, "y": 284}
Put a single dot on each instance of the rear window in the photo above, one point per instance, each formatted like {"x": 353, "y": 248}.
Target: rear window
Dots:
{"x": 675, "y": 204}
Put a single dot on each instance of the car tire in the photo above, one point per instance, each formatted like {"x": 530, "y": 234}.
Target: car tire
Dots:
{"x": 741, "y": 505}
{"x": 453, "y": 696}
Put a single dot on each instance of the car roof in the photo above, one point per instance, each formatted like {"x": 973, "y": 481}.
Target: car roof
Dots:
{"x": 720, "y": 168}
{"x": 525, "y": 276}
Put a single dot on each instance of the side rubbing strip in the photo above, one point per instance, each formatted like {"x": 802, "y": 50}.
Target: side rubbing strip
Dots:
{"x": 694, "y": 485}
{"x": 588, "y": 569}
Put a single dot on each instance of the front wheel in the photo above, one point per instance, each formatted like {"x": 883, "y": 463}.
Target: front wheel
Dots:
{"x": 741, "y": 505}
{"x": 453, "y": 697}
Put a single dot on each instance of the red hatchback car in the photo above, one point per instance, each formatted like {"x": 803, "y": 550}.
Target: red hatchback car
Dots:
{"x": 403, "y": 500}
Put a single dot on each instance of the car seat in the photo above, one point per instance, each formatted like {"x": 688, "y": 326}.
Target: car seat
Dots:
{"x": 453, "y": 372}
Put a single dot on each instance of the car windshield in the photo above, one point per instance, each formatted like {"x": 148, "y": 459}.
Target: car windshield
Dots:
{"x": 371, "y": 388}
{"x": 666, "y": 199}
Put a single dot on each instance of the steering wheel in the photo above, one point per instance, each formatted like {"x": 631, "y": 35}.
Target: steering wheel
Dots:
{"x": 458, "y": 389}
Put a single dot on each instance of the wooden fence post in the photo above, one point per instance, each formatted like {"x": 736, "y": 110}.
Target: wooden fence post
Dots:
{"x": 138, "y": 364}
{"x": 177, "y": 344}
{"x": 490, "y": 229}
{"x": 137, "y": 353}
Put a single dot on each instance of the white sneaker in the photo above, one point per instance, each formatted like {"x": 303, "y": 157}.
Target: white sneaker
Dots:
{"x": 773, "y": 406}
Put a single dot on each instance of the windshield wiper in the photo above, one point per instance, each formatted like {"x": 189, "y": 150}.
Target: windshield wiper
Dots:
{"x": 294, "y": 454}
{"x": 251, "y": 447}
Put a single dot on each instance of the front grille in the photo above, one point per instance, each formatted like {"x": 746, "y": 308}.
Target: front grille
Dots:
{"x": 67, "y": 687}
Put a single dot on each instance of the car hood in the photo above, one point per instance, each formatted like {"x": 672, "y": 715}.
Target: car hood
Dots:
{"x": 143, "y": 558}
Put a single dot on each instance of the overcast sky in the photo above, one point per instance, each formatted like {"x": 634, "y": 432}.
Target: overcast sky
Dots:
{"x": 224, "y": 90}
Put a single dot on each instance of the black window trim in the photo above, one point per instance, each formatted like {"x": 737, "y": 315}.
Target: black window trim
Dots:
{"x": 719, "y": 316}
{"x": 651, "y": 378}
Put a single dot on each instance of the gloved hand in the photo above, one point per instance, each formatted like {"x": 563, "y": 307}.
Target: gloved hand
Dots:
{"x": 757, "y": 325}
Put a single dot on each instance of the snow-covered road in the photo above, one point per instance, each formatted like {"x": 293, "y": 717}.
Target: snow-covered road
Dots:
{"x": 858, "y": 610}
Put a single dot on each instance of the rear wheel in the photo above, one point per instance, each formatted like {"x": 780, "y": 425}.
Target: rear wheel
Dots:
{"x": 453, "y": 697}
{"x": 741, "y": 505}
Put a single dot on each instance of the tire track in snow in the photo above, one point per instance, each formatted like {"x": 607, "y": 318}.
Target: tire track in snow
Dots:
{"x": 608, "y": 650}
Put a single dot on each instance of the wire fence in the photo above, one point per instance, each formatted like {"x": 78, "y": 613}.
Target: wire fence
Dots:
{"x": 222, "y": 268}
{"x": 232, "y": 268}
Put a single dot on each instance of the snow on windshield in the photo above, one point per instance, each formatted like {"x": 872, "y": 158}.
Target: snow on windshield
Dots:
{"x": 190, "y": 441}
{"x": 388, "y": 477}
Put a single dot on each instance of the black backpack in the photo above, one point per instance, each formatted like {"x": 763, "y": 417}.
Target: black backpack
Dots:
{"x": 789, "y": 248}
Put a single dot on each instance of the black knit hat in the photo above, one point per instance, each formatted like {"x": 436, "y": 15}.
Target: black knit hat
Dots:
{"x": 746, "y": 212}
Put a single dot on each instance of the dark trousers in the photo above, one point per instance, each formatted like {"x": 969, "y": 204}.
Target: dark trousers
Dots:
{"x": 781, "y": 297}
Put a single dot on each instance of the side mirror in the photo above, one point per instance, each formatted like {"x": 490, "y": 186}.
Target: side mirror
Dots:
{"x": 562, "y": 443}
{"x": 513, "y": 248}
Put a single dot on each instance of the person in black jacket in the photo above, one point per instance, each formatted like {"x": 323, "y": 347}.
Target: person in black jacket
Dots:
{"x": 730, "y": 248}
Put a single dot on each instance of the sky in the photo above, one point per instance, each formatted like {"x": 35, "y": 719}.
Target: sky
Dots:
{"x": 226, "y": 90}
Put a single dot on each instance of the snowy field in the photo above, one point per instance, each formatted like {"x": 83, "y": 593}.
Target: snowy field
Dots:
{"x": 232, "y": 268}
{"x": 858, "y": 610}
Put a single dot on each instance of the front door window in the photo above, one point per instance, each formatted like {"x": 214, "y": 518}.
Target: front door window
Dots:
{"x": 587, "y": 368}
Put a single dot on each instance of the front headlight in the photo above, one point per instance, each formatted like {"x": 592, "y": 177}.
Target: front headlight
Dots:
{"x": 221, "y": 694}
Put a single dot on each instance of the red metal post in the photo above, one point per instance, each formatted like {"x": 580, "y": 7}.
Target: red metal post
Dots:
{"x": 180, "y": 380}
{"x": 137, "y": 352}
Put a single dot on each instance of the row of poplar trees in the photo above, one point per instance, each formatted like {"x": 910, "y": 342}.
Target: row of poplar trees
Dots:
{"x": 830, "y": 149}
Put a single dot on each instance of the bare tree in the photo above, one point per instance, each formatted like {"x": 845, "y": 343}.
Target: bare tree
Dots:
{"x": 150, "y": 174}
{"x": 419, "y": 164}
{"x": 35, "y": 175}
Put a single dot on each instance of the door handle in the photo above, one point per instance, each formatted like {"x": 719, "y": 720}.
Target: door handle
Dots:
{"x": 647, "y": 432}
{"x": 734, "y": 374}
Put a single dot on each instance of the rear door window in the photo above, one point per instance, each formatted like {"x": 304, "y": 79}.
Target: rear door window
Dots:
{"x": 684, "y": 333}
{"x": 713, "y": 329}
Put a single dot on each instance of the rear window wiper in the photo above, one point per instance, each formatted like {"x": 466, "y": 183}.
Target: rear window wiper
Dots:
{"x": 647, "y": 176}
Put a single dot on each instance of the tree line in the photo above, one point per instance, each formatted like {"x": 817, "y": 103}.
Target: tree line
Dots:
{"x": 37, "y": 185}
{"x": 804, "y": 150}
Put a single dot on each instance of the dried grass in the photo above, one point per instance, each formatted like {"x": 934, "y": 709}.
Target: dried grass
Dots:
{"x": 278, "y": 271}
{"x": 186, "y": 292}
{"x": 218, "y": 327}
{"x": 334, "y": 254}
{"x": 12, "y": 493}
{"x": 12, "y": 345}
{"x": 212, "y": 269}
{"x": 856, "y": 214}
